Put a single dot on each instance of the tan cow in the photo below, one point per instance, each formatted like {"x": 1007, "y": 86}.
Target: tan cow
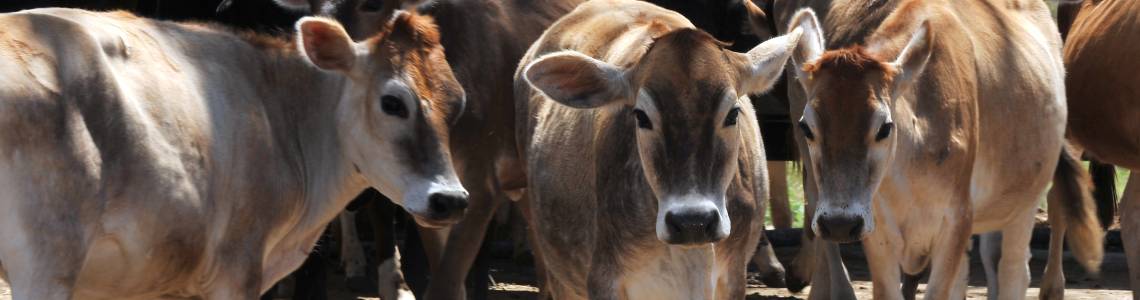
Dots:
{"x": 1104, "y": 102}
{"x": 937, "y": 128}
{"x": 144, "y": 159}
{"x": 644, "y": 163}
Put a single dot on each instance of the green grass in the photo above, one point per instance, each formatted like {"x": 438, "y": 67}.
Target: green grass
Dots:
{"x": 795, "y": 196}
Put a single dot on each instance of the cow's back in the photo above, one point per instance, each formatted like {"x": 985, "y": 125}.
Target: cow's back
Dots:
{"x": 1100, "y": 54}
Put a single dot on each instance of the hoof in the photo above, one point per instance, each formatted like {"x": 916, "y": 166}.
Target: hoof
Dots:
{"x": 795, "y": 282}
{"x": 361, "y": 284}
{"x": 774, "y": 279}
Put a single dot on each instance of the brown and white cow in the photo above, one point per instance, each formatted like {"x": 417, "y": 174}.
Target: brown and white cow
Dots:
{"x": 644, "y": 163}
{"x": 1104, "y": 102}
{"x": 144, "y": 159}
{"x": 484, "y": 41}
{"x": 937, "y": 128}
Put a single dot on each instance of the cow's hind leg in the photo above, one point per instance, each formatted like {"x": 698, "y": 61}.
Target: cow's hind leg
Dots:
{"x": 352, "y": 252}
{"x": 37, "y": 275}
{"x": 1053, "y": 281}
{"x": 44, "y": 265}
{"x": 771, "y": 271}
{"x": 1130, "y": 227}
{"x": 778, "y": 195}
{"x": 989, "y": 248}
{"x": 391, "y": 283}
{"x": 1013, "y": 267}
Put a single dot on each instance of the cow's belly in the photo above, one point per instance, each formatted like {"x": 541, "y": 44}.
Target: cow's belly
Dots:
{"x": 131, "y": 263}
{"x": 1001, "y": 189}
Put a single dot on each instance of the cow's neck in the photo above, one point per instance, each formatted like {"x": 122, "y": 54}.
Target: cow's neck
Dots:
{"x": 305, "y": 99}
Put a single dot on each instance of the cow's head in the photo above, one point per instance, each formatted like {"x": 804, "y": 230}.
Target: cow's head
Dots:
{"x": 848, "y": 123}
{"x": 393, "y": 118}
{"x": 683, "y": 99}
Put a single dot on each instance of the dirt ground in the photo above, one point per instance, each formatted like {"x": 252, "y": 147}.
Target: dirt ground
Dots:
{"x": 512, "y": 282}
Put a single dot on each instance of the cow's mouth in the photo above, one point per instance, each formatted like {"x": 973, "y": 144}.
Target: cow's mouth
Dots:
{"x": 434, "y": 223}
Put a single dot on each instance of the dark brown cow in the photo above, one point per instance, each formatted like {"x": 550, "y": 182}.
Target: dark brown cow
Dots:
{"x": 1104, "y": 101}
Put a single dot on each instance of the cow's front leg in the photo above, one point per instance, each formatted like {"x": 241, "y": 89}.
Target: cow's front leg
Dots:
{"x": 239, "y": 280}
{"x": 37, "y": 276}
{"x": 602, "y": 280}
{"x": 948, "y": 256}
{"x": 463, "y": 244}
{"x": 883, "y": 262}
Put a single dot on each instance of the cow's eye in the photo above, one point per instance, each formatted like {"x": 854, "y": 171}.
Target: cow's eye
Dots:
{"x": 884, "y": 131}
{"x": 730, "y": 119}
{"x": 806, "y": 130}
{"x": 642, "y": 119}
{"x": 392, "y": 105}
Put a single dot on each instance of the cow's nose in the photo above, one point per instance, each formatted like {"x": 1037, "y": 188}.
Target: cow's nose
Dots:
{"x": 841, "y": 229}
{"x": 693, "y": 226}
{"x": 445, "y": 206}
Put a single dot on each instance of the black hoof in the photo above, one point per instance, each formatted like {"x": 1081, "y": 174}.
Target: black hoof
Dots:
{"x": 794, "y": 281}
{"x": 361, "y": 285}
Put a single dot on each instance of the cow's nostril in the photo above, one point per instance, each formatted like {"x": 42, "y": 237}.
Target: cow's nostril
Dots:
{"x": 691, "y": 227}
{"x": 857, "y": 230}
{"x": 841, "y": 228}
{"x": 823, "y": 229}
{"x": 446, "y": 205}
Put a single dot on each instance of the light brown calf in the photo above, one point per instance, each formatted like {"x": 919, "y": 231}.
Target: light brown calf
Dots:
{"x": 484, "y": 41}
{"x": 643, "y": 156}
{"x": 143, "y": 159}
{"x": 936, "y": 129}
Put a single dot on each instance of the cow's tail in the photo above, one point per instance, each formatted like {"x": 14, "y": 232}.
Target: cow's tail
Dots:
{"x": 1073, "y": 209}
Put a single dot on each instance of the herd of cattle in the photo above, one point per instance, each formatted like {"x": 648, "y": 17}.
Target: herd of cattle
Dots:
{"x": 145, "y": 159}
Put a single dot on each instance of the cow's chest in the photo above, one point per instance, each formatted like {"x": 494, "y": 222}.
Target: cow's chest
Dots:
{"x": 671, "y": 272}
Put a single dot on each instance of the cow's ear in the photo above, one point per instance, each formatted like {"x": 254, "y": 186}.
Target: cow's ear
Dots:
{"x": 810, "y": 45}
{"x": 576, "y": 80}
{"x": 325, "y": 43}
{"x": 295, "y": 5}
{"x": 763, "y": 65}
{"x": 911, "y": 61}
{"x": 759, "y": 21}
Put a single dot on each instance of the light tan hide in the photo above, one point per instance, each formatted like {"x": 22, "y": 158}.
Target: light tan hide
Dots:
{"x": 143, "y": 159}
{"x": 936, "y": 128}
{"x": 644, "y": 164}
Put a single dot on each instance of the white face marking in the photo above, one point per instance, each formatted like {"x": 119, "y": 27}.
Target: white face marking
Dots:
{"x": 692, "y": 202}
{"x": 374, "y": 147}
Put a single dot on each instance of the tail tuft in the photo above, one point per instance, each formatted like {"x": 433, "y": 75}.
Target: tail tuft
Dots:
{"x": 1077, "y": 210}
